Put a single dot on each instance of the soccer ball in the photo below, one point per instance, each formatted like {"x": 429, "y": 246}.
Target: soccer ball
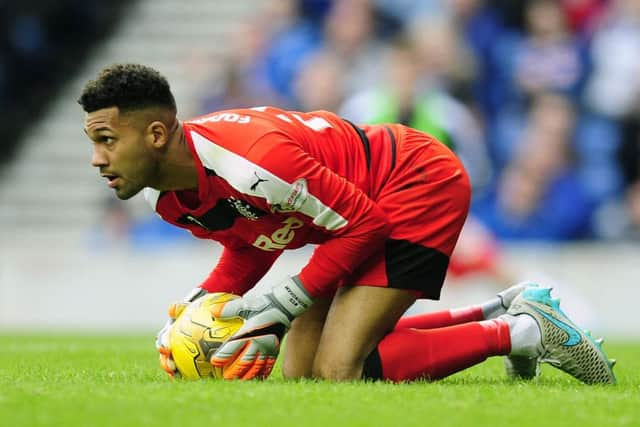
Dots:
{"x": 196, "y": 335}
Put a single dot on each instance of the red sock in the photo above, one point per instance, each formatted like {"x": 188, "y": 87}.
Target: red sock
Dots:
{"x": 408, "y": 354}
{"x": 443, "y": 318}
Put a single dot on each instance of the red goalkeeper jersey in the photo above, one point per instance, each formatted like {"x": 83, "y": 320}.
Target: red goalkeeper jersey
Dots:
{"x": 271, "y": 180}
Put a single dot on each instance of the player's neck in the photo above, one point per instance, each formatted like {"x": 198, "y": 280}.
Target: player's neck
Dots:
{"x": 177, "y": 168}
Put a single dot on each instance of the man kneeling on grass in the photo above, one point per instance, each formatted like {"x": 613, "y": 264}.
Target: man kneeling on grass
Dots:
{"x": 385, "y": 205}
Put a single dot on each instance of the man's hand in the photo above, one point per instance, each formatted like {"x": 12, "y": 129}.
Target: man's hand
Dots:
{"x": 249, "y": 358}
{"x": 162, "y": 339}
{"x": 252, "y": 351}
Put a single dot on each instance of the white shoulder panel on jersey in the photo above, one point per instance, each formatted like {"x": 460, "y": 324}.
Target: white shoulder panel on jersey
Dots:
{"x": 251, "y": 179}
{"x": 151, "y": 196}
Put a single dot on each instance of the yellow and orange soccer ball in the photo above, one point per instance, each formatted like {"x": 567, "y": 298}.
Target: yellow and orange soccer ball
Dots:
{"x": 196, "y": 335}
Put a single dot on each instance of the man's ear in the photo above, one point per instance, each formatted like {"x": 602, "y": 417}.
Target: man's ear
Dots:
{"x": 157, "y": 134}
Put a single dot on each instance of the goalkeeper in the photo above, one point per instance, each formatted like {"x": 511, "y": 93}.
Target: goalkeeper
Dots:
{"x": 385, "y": 205}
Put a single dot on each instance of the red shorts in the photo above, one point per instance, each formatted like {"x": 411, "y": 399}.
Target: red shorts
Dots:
{"x": 426, "y": 198}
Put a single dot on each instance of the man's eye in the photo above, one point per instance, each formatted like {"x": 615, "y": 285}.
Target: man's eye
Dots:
{"x": 108, "y": 140}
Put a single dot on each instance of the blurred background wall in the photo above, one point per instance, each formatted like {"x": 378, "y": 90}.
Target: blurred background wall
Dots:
{"x": 539, "y": 98}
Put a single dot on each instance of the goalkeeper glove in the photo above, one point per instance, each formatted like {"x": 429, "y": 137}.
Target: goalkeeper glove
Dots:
{"x": 163, "y": 337}
{"x": 252, "y": 351}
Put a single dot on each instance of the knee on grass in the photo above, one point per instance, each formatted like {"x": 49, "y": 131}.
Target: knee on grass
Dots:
{"x": 336, "y": 370}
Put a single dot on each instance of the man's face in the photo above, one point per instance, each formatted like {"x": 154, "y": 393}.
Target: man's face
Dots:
{"x": 121, "y": 150}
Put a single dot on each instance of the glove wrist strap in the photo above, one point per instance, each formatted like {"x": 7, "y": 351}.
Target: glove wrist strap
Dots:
{"x": 292, "y": 296}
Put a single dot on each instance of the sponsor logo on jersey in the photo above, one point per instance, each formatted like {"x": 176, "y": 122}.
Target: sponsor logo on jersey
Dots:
{"x": 294, "y": 199}
{"x": 280, "y": 238}
{"x": 245, "y": 209}
{"x": 223, "y": 215}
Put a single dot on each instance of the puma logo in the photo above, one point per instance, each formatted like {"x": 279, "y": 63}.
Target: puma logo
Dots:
{"x": 255, "y": 184}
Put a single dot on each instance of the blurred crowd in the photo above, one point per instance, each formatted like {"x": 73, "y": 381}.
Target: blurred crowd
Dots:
{"x": 539, "y": 98}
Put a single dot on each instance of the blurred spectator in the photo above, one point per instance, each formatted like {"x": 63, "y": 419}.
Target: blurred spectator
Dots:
{"x": 443, "y": 60}
{"x": 411, "y": 94}
{"x": 350, "y": 32}
{"x": 539, "y": 196}
{"x": 288, "y": 46}
{"x": 241, "y": 81}
{"x": 268, "y": 50}
{"x": 320, "y": 84}
{"x": 549, "y": 58}
{"x": 484, "y": 31}
{"x": 613, "y": 89}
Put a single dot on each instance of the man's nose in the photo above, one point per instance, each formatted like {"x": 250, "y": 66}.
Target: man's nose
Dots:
{"x": 99, "y": 158}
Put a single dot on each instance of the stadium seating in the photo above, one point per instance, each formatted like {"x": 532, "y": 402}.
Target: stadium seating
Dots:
{"x": 50, "y": 188}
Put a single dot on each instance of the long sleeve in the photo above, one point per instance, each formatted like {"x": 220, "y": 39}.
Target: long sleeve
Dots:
{"x": 239, "y": 269}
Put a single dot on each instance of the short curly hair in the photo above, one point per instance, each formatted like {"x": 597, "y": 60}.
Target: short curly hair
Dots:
{"x": 129, "y": 87}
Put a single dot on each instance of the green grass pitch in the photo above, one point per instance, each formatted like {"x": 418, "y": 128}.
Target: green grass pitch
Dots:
{"x": 101, "y": 380}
